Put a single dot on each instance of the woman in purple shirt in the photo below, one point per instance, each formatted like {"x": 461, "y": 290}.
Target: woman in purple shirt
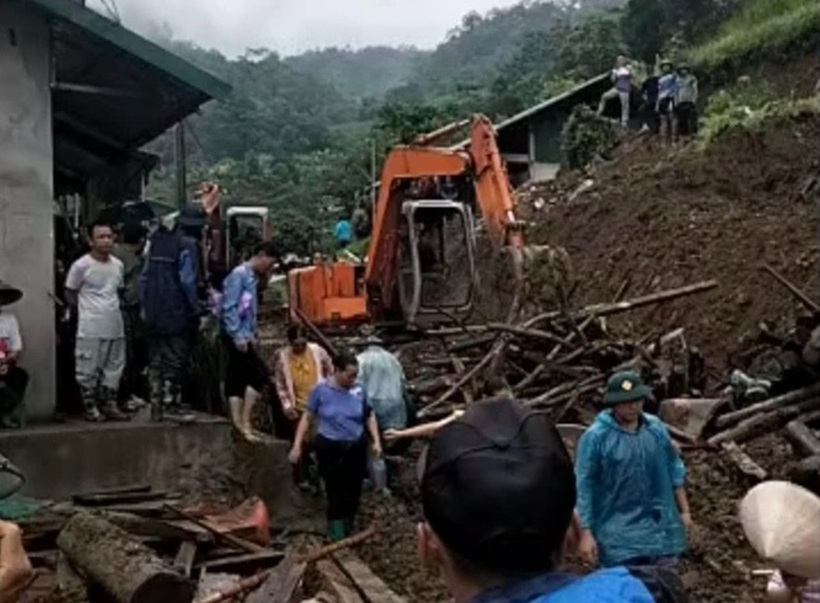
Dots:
{"x": 343, "y": 419}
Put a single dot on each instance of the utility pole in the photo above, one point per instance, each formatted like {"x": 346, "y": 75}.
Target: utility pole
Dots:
{"x": 179, "y": 159}
{"x": 373, "y": 180}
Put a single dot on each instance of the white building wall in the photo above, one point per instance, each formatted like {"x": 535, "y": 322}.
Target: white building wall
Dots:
{"x": 26, "y": 191}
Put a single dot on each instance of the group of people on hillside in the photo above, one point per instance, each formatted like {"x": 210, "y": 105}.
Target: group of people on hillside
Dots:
{"x": 668, "y": 98}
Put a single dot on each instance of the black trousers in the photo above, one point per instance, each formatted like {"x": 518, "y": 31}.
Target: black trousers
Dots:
{"x": 13, "y": 387}
{"x": 168, "y": 357}
{"x": 342, "y": 466}
{"x": 243, "y": 370}
{"x": 133, "y": 381}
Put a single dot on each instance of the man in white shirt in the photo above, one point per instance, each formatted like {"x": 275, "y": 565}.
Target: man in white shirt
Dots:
{"x": 13, "y": 379}
{"x": 93, "y": 285}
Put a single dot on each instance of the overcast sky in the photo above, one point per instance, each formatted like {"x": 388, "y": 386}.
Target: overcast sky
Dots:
{"x": 292, "y": 26}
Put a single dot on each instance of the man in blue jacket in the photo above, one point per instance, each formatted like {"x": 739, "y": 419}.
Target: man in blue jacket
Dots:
{"x": 630, "y": 479}
{"x": 246, "y": 373}
{"x": 171, "y": 305}
{"x": 498, "y": 493}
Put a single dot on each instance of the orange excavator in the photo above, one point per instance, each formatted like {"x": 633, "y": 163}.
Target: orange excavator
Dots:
{"x": 421, "y": 262}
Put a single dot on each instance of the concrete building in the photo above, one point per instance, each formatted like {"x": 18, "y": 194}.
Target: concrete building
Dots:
{"x": 530, "y": 142}
{"x": 79, "y": 96}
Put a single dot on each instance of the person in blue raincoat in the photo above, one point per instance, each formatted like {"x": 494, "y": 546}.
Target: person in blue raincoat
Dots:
{"x": 630, "y": 481}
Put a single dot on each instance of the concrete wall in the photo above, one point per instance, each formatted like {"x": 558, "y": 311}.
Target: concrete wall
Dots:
{"x": 26, "y": 171}
{"x": 197, "y": 461}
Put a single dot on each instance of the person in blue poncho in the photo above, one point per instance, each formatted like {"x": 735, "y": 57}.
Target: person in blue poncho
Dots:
{"x": 630, "y": 481}
{"x": 498, "y": 498}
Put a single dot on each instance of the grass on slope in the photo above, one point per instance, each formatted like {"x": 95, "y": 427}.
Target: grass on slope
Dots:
{"x": 763, "y": 25}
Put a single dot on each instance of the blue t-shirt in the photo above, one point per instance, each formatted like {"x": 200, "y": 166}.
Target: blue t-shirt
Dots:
{"x": 340, "y": 414}
{"x": 344, "y": 231}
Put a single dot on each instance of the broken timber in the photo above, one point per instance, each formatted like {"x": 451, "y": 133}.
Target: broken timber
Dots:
{"x": 749, "y": 428}
{"x": 798, "y": 395}
{"x": 629, "y": 304}
{"x": 126, "y": 569}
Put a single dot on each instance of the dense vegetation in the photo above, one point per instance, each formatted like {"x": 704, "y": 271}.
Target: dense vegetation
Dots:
{"x": 762, "y": 26}
{"x": 299, "y": 133}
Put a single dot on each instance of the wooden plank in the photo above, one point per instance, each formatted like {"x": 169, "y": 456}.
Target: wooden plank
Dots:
{"x": 184, "y": 560}
{"x": 280, "y": 584}
{"x": 242, "y": 563}
{"x": 369, "y": 582}
{"x": 336, "y": 583}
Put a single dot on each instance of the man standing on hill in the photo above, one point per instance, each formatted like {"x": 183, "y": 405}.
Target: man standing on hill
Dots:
{"x": 686, "y": 101}
{"x": 631, "y": 498}
{"x": 667, "y": 97}
{"x": 622, "y": 89}
{"x": 93, "y": 285}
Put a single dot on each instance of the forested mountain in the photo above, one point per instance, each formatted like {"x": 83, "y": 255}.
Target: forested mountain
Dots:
{"x": 297, "y": 133}
{"x": 369, "y": 72}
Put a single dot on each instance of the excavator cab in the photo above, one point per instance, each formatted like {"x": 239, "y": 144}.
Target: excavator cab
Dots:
{"x": 247, "y": 226}
{"x": 436, "y": 259}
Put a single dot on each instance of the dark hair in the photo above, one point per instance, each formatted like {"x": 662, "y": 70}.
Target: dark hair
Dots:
{"x": 267, "y": 248}
{"x": 133, "y": 232}
{"x": 99, "y": 224}
{"x": 296, "y": 331}
{"x": 344, "y": 359}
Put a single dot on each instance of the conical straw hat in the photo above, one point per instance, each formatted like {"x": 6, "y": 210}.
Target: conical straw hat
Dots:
{"x": 782, "y": 522}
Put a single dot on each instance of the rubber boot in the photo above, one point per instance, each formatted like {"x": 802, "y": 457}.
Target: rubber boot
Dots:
{"x": 335, "y": 530}
{"x": 349, "y": 525}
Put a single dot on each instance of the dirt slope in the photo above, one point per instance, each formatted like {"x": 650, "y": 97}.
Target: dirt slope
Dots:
{"x": 665, "y": 218}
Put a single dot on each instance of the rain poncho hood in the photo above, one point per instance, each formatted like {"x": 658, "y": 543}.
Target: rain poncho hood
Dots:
{"x": 626, "y": 490}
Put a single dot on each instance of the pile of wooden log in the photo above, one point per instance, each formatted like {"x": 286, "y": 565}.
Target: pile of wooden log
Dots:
{"x": 163, "y": 553}
{"x": 554, "y": 360}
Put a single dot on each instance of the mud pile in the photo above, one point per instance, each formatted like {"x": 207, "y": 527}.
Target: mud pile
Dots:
{"x": 660, "y": 218}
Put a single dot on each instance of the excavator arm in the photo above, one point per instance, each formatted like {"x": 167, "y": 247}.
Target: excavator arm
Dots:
{"x": 493, "y": 193}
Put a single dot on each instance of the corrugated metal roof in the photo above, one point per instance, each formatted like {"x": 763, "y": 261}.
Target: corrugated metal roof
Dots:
{"x": 126, "y": 40}
{"x": 535, "y": 109}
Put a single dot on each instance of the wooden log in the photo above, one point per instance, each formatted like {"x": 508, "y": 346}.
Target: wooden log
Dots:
{"x": 793, "y": 289}
{"x": 802, "y": 438}
{"x": 609, "y": 309}
{"x": 320, "y": 337}
{"x": 731, "y": 418}
{"x": 125, "y": 568}
{"x": 460, "y": 369}
{"x": 497, "y": 349}
{"x": 432, "y": 386}
{"x": 469, "y": 344}
{"x": 351, "y": 581}
{"x": 743, "y": 461}
{"x": 752, "y": 426}
{"x": 280, "y": 584}
{"x": 230, "y": 539}
{"x": 184, "y": 561}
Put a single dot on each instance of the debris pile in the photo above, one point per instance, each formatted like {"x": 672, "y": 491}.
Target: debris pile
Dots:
{"x": 557, "y": 360}
{"x": 135, "y": 546}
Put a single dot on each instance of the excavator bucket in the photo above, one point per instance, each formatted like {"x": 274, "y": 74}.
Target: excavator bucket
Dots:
{"x": 541, "y": 275}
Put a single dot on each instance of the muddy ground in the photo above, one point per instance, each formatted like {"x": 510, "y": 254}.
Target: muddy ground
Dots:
{"x": 663, "y": 218}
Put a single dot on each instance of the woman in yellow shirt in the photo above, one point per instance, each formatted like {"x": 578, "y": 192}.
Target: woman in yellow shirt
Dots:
{"x": 298, "y": 368}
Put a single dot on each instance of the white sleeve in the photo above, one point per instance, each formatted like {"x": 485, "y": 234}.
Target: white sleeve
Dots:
{"x": 15, "y": 341}
{"x": 76, "y": 275}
